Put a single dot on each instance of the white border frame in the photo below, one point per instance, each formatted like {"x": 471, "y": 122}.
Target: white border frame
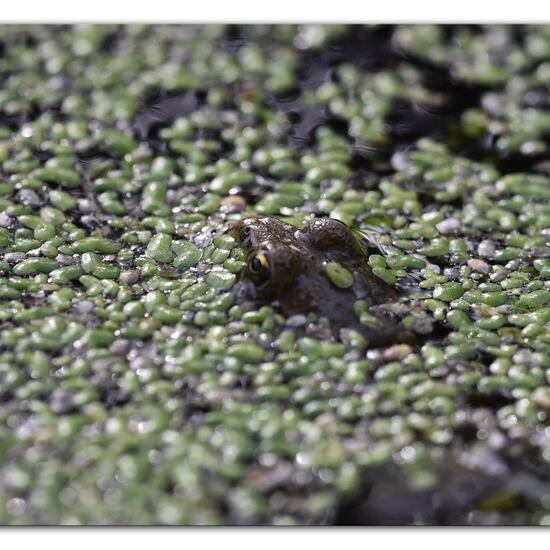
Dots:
{"x": 289, "y": 11}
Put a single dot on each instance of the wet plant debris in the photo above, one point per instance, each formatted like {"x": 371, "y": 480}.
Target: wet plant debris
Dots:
{"x": 142, "y": 383}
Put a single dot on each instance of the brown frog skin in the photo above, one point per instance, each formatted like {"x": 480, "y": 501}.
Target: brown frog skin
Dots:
{"x": 287, "y": 264}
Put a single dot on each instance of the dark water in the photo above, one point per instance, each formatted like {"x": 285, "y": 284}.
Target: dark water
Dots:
{"x": 369, "y": 49}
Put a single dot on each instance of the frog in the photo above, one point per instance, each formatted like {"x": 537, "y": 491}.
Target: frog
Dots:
{"x": 320, "y": 267}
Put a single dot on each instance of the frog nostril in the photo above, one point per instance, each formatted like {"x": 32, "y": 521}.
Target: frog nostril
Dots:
{"x": 294, "y": 117}
{"x": 246, "y": 233}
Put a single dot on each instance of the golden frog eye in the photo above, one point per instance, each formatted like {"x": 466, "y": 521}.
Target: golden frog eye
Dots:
{"x": 258, "y": 264}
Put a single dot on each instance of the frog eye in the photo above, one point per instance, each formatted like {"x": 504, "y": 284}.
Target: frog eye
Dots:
{"x": 258, "y": 264}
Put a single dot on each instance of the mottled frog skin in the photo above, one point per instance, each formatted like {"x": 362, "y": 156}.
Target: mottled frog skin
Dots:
{"x": 288, "y": 264}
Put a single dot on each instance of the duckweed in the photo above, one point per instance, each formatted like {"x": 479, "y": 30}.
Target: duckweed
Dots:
{"x": 34, "y": 265}
{"x": 338, "y": 275}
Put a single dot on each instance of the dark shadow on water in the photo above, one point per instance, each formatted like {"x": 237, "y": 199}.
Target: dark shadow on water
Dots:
{"x": 160, "y": 109}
